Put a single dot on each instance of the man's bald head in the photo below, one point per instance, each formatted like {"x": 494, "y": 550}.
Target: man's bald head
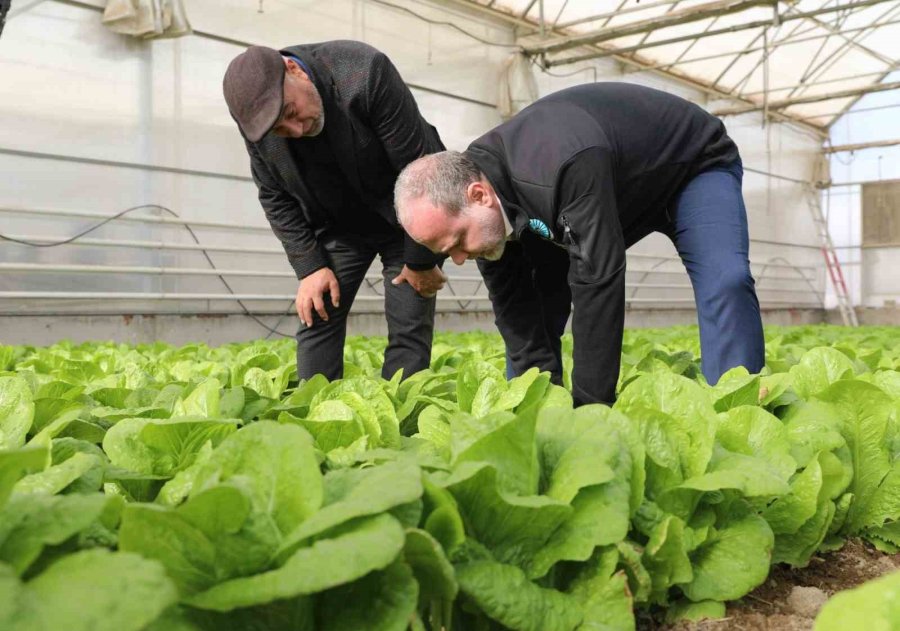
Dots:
{"x": 444, "y": 202}
{"x": 441, "y": 178}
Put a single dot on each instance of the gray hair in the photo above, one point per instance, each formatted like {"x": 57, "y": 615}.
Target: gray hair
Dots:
{"x": 442, "y": 178}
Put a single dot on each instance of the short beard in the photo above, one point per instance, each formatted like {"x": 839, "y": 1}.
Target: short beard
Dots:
{"x": 495, "y": 254}
{"x": 493, "y": 233}
{"x": 319, "y": 125}
{"x": 320, "y": 119}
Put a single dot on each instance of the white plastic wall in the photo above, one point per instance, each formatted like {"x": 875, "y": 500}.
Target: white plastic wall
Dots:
{"x": 73, "y": 89}
{"x": 871, "y": 272}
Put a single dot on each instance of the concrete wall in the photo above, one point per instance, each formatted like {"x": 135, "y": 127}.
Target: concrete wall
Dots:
{"x": 77, "y": 90}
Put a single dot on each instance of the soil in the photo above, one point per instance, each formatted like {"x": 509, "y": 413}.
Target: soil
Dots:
{"x": 790, "y": 598}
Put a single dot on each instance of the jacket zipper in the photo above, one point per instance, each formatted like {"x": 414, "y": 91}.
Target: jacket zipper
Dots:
{"x": 567, "y": 229}
{"x": 573, "y": 240}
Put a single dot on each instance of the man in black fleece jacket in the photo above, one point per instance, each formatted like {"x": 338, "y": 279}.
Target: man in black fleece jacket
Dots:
{"x": 593, "y": 169}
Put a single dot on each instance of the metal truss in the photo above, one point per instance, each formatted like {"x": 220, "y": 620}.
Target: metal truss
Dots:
{"x": 560, "y": 43}
{"x": 527, "y": 26}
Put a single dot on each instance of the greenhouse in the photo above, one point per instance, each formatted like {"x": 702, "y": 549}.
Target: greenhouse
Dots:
{"x": 449, "y": 315}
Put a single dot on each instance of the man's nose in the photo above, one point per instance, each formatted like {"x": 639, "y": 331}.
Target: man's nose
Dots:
{"x": 458, "y": 257}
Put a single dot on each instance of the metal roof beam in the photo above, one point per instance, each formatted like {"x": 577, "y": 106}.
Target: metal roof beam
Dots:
{"x": 636, "y": 62}
{"x": 840, "y": 32}
{"x": 489, "y": 12}
{"x": 622, "y": 11}
{"x": 848, "y": 43}
{"x": 527, "y": 8}
{"x": 723, "y": 31}
{"x": 781, "y": 42}
{"x": 683, "y": 16}
{"x": 814, "y": 98}
{"x": 690, "y": 46}
{"x": 861, "y": 145}
{"x": 823, "y": 82}
{"x": 668, "y": 12}
{"x": 859, "y": 110}
{"x": 789, "y": 39}
{"x": 762, "y": 35}
{"x": 849, "y": 105}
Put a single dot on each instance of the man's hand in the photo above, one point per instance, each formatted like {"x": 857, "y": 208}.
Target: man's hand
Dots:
{"x": 310, "y": 295}
{"x": 427, "y": 283}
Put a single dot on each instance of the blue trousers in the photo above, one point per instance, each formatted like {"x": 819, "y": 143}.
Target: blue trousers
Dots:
{"x": 707, "y": 222}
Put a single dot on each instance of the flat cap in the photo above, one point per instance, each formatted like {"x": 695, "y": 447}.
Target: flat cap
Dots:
{"x": 254, "y": 90}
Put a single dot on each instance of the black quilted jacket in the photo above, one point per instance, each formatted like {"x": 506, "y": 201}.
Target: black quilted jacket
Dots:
{"x": 375, "y": 129}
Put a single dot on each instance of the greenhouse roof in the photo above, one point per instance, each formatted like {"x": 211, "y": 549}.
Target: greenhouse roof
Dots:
{"x": 808, "y": 60}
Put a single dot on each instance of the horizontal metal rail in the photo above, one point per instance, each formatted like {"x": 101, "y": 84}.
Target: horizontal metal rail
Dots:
{"x": 176, "y": 271}
{"x": 172, "y": 271}
{"x": 786, "y": 244}
{"x": 463, "y": 301}
{"x": 194, "y": 247}
{"x": 148, "y": 270}
{"x": 233, "y": 226}
{"x": 206, "y": 271}
{"x": 87, "y": 295}
{"x": 791, "y": 290}
{"x": 143, "y": 166}
{"x": 150, "y": 245}
{"x": 172, "y": 221}
{"x": 691, "y": 301}
{"x": 797, "y": 268}
{"x": 115, "y": 295}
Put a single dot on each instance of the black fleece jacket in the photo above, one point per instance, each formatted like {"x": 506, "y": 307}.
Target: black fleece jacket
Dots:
{"x": 593, "y": 168}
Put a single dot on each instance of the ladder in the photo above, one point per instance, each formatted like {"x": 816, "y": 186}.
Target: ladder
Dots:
{"x": 832, "y": 264}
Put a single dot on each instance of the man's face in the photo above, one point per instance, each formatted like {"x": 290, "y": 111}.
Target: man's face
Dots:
{"x": 302, "y": 113}
{"x": 476, "y": 232}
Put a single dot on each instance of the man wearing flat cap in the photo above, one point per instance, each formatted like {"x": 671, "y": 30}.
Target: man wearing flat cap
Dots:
{"x": 329, "y": 127}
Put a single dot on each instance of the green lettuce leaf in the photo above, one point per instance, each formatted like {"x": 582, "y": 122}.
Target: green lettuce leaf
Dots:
{"x": 874, "y": 605}
{"x": 162, "y": 447}
{"x": 382, "y": 601}
{"x": 504, "y": 594}
{"x": 734, "y": 560}
{"x": 16, "y": 412}
{"x": 864, "y": 411}
{"x": 513, "y": 527}
{"x": 360, "y": 548}
{"x": 18, "y": 462}
{"x": 96, "y": 590}
{"x": 32, "y": 523}
{"x": 353, "y": 493}
{"x": 735, "y": 388}
{"x": 818, "y": 369}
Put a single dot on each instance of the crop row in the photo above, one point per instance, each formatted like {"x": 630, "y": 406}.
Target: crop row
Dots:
{"x": 193, "y": 488}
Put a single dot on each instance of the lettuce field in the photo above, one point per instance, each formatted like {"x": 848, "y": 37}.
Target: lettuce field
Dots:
{"x": 160, "y": 488}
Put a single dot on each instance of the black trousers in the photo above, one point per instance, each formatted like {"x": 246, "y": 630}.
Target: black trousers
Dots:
{"x": 410, "y": 317}
{"x": 532, "y": 301}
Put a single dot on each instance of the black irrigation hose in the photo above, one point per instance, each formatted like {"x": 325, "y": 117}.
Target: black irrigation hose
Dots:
{"x": 100, "y": 224}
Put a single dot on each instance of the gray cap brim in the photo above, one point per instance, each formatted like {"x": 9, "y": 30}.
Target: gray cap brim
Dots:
{"x": 254, "y": 90}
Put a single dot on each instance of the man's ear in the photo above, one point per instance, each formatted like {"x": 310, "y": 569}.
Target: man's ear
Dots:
{"x": 292, "y": 68}
{"x": 476, "y": 193}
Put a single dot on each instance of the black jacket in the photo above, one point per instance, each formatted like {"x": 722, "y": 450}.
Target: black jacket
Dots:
{"x": 374, "y": 128}
{"x": 593, "y": 168}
